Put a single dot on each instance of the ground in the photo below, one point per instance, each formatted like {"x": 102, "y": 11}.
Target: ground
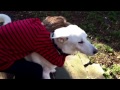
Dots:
{"x": 103, "y": 28}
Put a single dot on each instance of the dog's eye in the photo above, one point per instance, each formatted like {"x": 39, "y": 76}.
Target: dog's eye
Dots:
{"x": 81, "y": 42}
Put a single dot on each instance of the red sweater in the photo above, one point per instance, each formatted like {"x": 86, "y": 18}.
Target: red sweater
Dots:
{"x": 20, "y": 38}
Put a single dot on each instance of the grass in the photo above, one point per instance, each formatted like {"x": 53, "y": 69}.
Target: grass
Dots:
{"x": 104, "y": 48}
{"x": 102, "y": 27}
{"x": 112, "y": 72}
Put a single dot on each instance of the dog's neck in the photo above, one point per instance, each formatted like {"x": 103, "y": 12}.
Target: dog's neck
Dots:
{"x": 57, "y": 45}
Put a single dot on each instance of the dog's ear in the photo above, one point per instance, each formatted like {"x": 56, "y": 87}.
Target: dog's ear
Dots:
{"x": 62, "y": 39}
{"x": 54, "y": 22}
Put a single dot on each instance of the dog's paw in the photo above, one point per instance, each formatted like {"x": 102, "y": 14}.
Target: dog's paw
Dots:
{"x": 46, "y": 75}
{"x": 53, "y": 71}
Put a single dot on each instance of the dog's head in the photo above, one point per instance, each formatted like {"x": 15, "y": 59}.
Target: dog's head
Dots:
{"x": 71, "y": 39}
{"x": 54, "y": 22}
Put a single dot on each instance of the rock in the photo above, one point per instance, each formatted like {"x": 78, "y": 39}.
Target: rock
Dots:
{"x": 84, "y": 59}
{"x": 75, "y": 67}
{"x": 95, "y": 71}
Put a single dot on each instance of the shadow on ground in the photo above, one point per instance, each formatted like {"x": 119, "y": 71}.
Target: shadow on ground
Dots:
{"x": 62, "y": 73}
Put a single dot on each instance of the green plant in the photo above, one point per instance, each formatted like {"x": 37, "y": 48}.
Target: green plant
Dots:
{"x": 111, "y": 72}
{"x": 115, "y": 69}
{"x": 108, "y": 49}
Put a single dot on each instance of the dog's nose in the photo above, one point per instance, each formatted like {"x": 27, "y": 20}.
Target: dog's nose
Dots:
{"x": 95, "y": 51}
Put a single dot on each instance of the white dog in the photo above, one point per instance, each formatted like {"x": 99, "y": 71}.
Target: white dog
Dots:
{"x": 68, "y": 39}
{"x": 5, "y": 19}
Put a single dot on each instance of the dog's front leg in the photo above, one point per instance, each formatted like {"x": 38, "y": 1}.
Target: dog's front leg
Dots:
{"x": 46, "y": 75}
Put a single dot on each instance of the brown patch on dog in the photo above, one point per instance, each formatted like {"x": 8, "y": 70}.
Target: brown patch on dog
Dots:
{"x": 54, "y": 22}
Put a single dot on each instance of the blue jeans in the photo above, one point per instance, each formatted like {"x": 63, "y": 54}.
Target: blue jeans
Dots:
{"x": 23, "y": 69}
